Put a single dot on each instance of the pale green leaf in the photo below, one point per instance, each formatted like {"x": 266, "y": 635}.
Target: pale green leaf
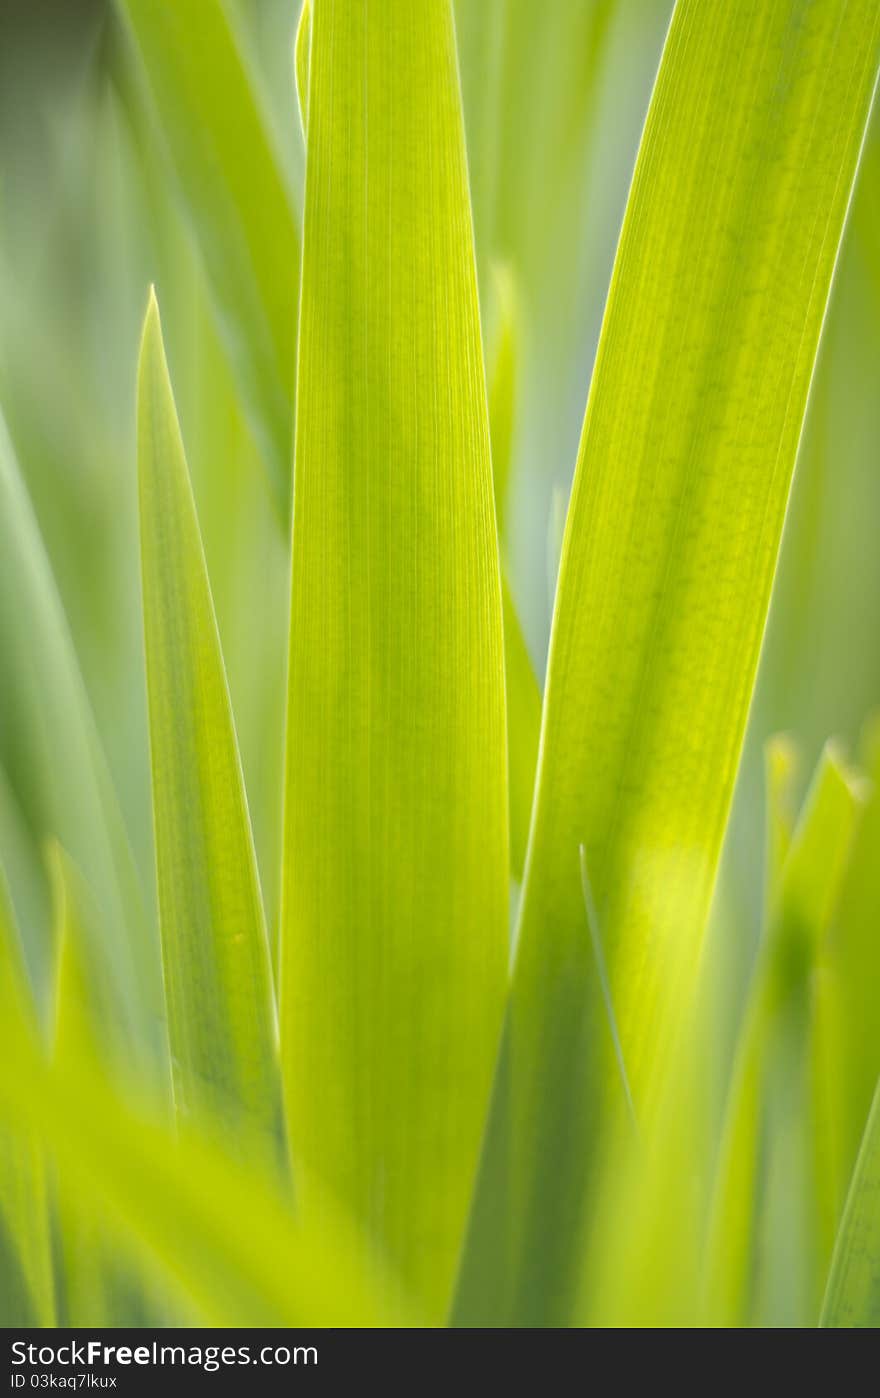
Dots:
{"x": 221, "y": 1012}
{"x": 243, "y": 212}
{"x": 713, "y": 318}
{"x": 55, "y": 759}
{"x": 394, "y": 916}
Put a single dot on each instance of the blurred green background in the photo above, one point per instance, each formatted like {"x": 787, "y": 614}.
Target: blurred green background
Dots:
{"x": 553, "y": 108}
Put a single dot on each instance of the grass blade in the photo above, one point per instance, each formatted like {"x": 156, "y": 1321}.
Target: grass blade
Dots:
{"x": 241, "y": 208}
{"x": 395, "y": 899}
{"x": 710, "y": 333}
{"x": 221, "y": 1012}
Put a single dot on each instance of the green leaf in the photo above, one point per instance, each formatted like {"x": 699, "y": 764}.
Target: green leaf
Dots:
{"x": 765, "y": 1261}
{"x": 221, "y": 1234}
{"x": 713, "y": 318}
{"x": 24, "y": 1199}
{"x": 243, "y": 212}
{"x": 395, "y": 896}
{"x": 55, "y": 762}
{"x": 852, "y": 1297}
{"x": 221, "y": 1011}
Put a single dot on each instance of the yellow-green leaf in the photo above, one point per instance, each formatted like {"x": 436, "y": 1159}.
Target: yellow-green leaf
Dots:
{"x": 221, "y": 1012}
{"x": 395, "y": 897}
{"x": 240, "y": 204}
{"x": 710, "y": 332}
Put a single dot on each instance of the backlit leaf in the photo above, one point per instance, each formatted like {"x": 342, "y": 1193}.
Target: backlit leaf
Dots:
{"x": 710, "y": 333}
{"x": 394, "y": 917}
{"x": 221, "y": 1010}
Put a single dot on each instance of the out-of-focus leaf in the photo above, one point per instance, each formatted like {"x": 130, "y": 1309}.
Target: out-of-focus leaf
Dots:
{"x": 54, "y": 759}
{"x": 86, "y": 1021}
{"x": 24, "y": 1201}
{"x": 27, "y": 885}
{"x": 854, "y": 954}
{"x": 765, "y": 1261}
{"x": 852, "y": 1297}
{"x": 242, "y": 210}
{"x": 221, "y": 1011}
{"x": 395, "y": 899}
{"x": 714, "y": 313}
{"x": 221, "y": 1233}
{"x": 780, "y": 770}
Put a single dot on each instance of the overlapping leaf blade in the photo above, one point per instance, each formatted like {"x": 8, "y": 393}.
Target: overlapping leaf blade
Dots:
{"x": 396, "y": 864}
{"x": 221, "y": 1010}
{"x": 708, "y": 343}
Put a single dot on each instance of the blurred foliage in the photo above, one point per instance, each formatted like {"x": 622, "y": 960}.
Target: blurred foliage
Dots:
{"x": 91, "y": 214}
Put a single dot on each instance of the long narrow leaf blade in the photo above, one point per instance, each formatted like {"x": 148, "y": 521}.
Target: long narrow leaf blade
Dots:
{"x": 716, "y": 305}
{"x": 396, "y": 863}
{"x": 221, "y": 1012}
